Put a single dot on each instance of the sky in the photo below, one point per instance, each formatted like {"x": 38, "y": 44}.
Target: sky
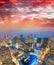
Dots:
{"x": 26, "y": 17}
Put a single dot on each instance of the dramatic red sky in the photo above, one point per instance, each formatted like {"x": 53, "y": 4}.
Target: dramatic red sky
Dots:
{"x": 38, "y": 17}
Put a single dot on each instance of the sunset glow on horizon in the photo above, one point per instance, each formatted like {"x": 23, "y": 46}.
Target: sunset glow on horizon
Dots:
{"x": 28, "y": 17}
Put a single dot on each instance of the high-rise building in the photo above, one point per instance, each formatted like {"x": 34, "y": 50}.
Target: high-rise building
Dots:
{"x": 44, "y": 42}
{"x": 6, "y": 40}
{"x": 51, "y": 41}
{"x": 34, "y": 41}
{"x": 17, "y": 43}
{"x": 29, "y": 39}
{"x": 29, "y": 42}
{"x": 22, "y": 38}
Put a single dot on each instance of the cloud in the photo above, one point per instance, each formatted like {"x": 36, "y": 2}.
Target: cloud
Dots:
{"x": 1, "y": 22}
{"x": 36, "y": 12}
{"x": 17, "y": 13}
